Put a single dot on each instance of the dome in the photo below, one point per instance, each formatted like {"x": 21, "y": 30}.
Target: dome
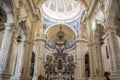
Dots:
{"x": 61, "y": 9}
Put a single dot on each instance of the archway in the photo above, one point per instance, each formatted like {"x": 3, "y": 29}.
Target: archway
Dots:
{"x": 51, "y": 35}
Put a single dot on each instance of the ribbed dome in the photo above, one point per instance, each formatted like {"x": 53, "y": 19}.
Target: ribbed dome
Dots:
{"x": 61, "y": 9}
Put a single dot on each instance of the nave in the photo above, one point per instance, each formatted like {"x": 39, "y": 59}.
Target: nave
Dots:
{"x": 59, "y": 39}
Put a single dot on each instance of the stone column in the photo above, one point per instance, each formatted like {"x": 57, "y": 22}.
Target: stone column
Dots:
{"x": 98, "y": 56}
{"x": 22, "y": 69}
{"x": 115, "y": 52}
{"x": 92, "y": 57}
{"x": 91, "y": 50}
{"x": 80, "y": 69}
{"x": 5, "y": 50}
{"x": 39, "y": 58}
{"x": 27, "y": 61}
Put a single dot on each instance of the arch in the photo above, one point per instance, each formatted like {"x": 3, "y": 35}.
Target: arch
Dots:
{"x": 51, "y": 35}
{"x": 60, "y": 24}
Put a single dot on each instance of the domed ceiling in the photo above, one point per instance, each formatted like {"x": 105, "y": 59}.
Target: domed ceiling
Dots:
{"x": 61, "y": 9}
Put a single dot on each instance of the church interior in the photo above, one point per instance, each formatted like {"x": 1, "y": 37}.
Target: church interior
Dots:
{"x": 59, "y": 39}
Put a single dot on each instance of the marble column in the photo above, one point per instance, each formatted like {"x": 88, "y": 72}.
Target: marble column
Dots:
{"x": 98, "y": 56}
{"x": 22, "y": 69}
{"x": 115, "y": 53}
{"x": 80, "y": 69}
{"x": 5, "y": 52}
{"x": 39, "y": 58}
